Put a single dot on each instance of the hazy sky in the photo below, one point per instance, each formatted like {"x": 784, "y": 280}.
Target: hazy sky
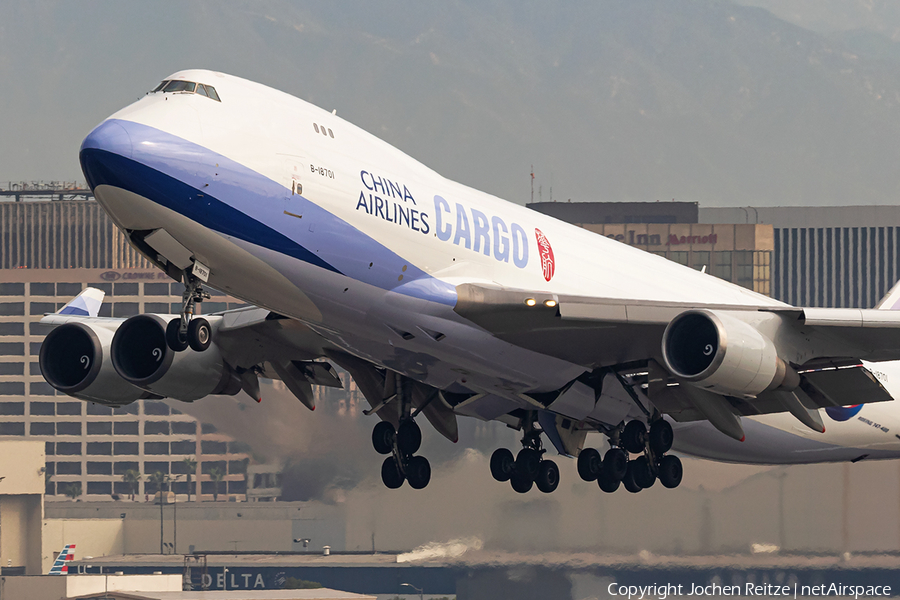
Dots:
{"x": 697, "y": 100}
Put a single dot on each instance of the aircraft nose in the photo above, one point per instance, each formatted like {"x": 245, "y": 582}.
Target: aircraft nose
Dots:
{"x": 104, "y": 145}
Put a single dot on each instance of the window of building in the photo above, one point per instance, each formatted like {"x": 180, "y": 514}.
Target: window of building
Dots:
{"x": 128, "y": 409}
{"x": 41, "y": 388}
{"x": 120, "y": 467}
{"x": 99, "y": 487}
{"x": 156, "y": 428}
{"x": 212, "y": 307}
{"x": 12, "y": 328}
{"x": 723, "y": 263}
{"x": 238, "y": 467}
{"x": 221, "y": 465}
{"x": 49, "y": 448}
{"x": 184, "y": 447}
{"x": 210, "y": 447}
{"x": 743, "y": 268}
{"x": 39, "y": 308}
{"x": 156, "y": 289}
{"x": 42, "y": 428}
{"x": 99, "y": 428}
{"x": 12, "y": 408}
{"x": 700, "y": 259}
{"x": 68, "y": 289}
{"x": 12, "y": 368}
{"x": 123, "y": 448}
{"x": 12, "y": 289}
{"x": 96, "y": 448}
{"x": 99, "y": 468}
{"x": 43, "y": 289}
{"x": 125, "y": 289}
{"x": 68, "y": 468}
{"x": 176, "y": 289}
{"x": 41, "y": 408}
{"x": 161, "y": 308}
{"x": 94, "y": 408}
{"x": 34, "y": 348}
{"x": 208, "y": 428}
{"x": 154, "y": 466}
{"x": 12, "y": 428}
{"x": 68, "y": 428}
{"x": 184, "y": 428}
{"x": 12, "y": 388}
{"x": 34, "y": 368}
{"x": 12, "y": 349}
{"x": 68, "y": 408}
{"x": 126, "y": 427}
{"x": 155, "y": 407}
{"x": 156, "y": 448}
{"x": 68, "y": 448}
{"x": 123, "y": 488}
{"x": 125, "y": 309}
{"x": 237, "y": 487}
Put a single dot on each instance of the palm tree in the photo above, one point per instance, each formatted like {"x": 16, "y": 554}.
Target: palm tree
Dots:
{"x": 216, "y": 475}
{"x": 73, "y": 490}
{"x": 132, "y": 477}
{"x": 190, "y": 467}
{"x": 157, "y": 479}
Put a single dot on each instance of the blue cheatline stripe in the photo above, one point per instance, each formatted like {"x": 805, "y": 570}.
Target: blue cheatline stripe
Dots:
{"x": 232, "y": 199}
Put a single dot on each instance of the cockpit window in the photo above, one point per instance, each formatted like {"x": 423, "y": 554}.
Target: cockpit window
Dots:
{"x": 187, "y": 87}
{"x": 212, "y": 92}
{"x": 180, "y": 86}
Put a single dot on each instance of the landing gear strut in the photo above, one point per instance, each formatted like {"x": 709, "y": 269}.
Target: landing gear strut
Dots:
{"x": 401, "y": 444}
{"x": 187, "y": 331}
{"x": 528, "y": 468}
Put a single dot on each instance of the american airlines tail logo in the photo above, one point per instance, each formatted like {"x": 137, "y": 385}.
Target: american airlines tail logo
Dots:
{"x": 546, "y": 252}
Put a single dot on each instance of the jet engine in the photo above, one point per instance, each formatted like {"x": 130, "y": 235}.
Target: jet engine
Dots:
{"x": 718, "y": 352}
{"x": 75, "y": 359}
{"x": 142, "y": 357}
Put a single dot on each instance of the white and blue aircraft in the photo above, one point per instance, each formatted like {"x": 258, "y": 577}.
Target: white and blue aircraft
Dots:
{"x": 444, "y": 301}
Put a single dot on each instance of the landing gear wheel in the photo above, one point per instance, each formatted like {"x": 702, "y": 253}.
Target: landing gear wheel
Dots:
{"x": 174, "y": 339}
{"x": 670, "y": 471}
{"x": 643, "y": 474}
{"x": 628, "y": 481}
{"x": 383, "y": 438}
{"x": 589, "y": 464}
{"x": 199, "y": 334}
{"x": 503, "y": 465}
{"x": 634, "y": 437}
{"x": 615, "y": 463}
{"x": 521, "y": 484}
{"x": 548, "y": 476}
{"x": 390, "y": 473}
{"x": 409, "y": 437}
{"x": 607, "y": 483}
{"x": 661, "y": 437}
{"x": 528, "y": 464}
{"x": 418, "y": 472}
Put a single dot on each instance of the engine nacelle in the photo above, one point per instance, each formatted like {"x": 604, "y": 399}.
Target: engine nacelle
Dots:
{"x": 142, "y": 357}
{"x": 723, "y": 354}
{"x": 75, "y": 359}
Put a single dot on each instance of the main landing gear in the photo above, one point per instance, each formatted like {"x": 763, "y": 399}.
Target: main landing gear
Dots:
{"x": 187, "y": 331}
{"x": 528, "y": 468}
{"x": 401, "y": 444}
{"x": 636, "y": 474}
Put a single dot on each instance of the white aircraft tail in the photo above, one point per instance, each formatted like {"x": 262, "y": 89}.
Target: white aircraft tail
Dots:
{"x": 85, "y": 304}
{"x": 68, "y": 553}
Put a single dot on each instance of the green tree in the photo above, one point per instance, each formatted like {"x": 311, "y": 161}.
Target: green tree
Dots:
{"x": 132, "y": 477}
{"x": 157, "y": 479}
{"x": 216, "y": 474}
{"x": 190, "y": 467}
{"x": 73, "y": 490}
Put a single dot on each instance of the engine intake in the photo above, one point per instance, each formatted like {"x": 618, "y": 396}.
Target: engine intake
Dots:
{"x": 142, "y": 357}
{"x": 74, "y": 359}
{"x": 718, "y": 352}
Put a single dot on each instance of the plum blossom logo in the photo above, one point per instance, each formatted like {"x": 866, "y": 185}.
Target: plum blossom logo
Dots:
{"x": 546, "y": 251}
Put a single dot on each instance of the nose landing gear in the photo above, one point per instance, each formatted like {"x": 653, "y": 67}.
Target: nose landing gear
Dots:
{"x": 187, "y": 331}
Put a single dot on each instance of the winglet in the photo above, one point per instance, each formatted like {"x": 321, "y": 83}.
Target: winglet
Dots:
{"x": 85, "y": 304}
{"x": 891, "y": 300}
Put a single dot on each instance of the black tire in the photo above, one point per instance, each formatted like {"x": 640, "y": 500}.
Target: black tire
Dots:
{"x": 615, "y": 463}
{"x": 634, "y": 437}
{"x": 661, "y": 437}
{"x": 418, "y": 472}
{"x": 409, "y": 437}
{"x": 503, "y": 464}
{"x": 383, "y": 437}
{"x": 628, "y": 481}
{"x": 173, "y": 338}
{"x": 391, "y": 474}
{"x": 607, "y": 483}
{"x": 670, "y": 471}
{"x": 521, "y": 484}
{"x": 548, "y": 476}
{"x": 528, "y": 463}
{"x": 199, "y": 334}
{"x": 643, "y": 473}
{"x": 589, "y": 464}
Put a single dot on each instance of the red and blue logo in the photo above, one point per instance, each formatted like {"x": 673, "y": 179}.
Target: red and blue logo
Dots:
{"x": 843, "y": 413}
